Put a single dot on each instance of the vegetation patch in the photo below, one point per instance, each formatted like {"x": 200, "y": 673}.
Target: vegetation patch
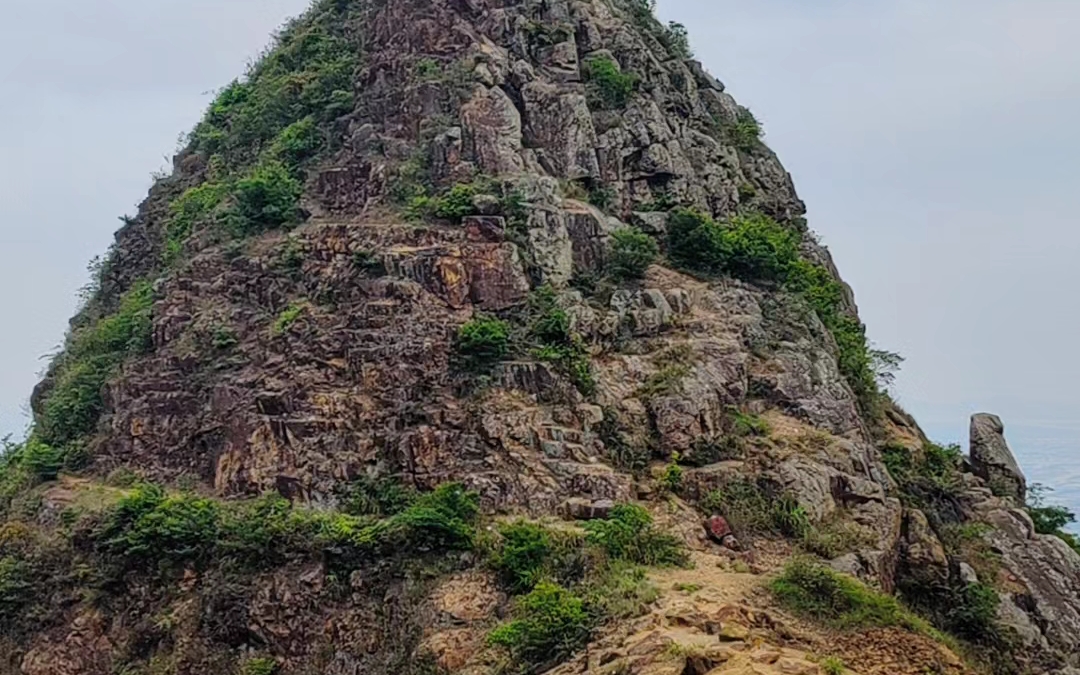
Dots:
{"x": 819, "y": 593}
{"x": 750, "y": 508}
{"x": 1049, "y": 518}
{"x": 632, "y": 251}
{"x": 756, "y": 248}
{"x": 568, "y": 584}
{"x": 550, "y": 623}
{"x": 152, "y": 528}
{"x": 483, "y": 341}
{"x": 629, "y": 534}
{"x": 73, "y": 403}
{"x": 552, "y": 339}
{"x": 607, "y": 86}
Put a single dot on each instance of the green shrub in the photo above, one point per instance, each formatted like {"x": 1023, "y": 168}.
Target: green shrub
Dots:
{"x": 549, "y": 624}
{"x": 833, "y": 666}
{"x": 308, "y": 72}
{"x": 368, "y": 262}
{"x": 746, "y": 424}
{"x": 44, "y": 461}
{"x": 672, "y": 478}
{"x": 676, "y": 38}
{"x": 750, "y": 246}
{"x": 259, "y": 666}
{"x": 266, "y": 199}
{"x": 524, "y": 555}
{"x": 1050, "y": 519}
{"x": 16, "y": 587}
{"x": 73, "y": 404}
{"x": 457, "y": 203}
{"x": 197, "y": 207}
{"x": 746, "y": 133}
{"x": 297, "y": 143}
{"x": 608, "y": 86}
{"x": 621, "y": 590}
{"x": 264, "y": 532}
{"x": 790, "y": 517}
{"x": 443, "y": 519}
{"x": 382, "y": 497}
{"x": 629, "y": 535}
{"x": 427, "y": 69}
{"x": 483, "y": 340}
{"x": 822, "y": 594}
{"x": 223, "y": 337}
{"x": 834, "y": 538}
{"x": 632, "y": 251}
{"x": 149, "y": 526}
{"x": 554, "y": 341}
{"x": 601, "y": 196}
{"x": 287, "y": 317}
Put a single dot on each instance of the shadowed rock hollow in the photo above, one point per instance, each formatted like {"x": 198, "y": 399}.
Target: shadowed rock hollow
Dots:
{"x": 536, "y": 251}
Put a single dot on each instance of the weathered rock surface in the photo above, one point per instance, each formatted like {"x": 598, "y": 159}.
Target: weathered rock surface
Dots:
{"x": 992, "y": 459}
{"x": 365, "y": 379}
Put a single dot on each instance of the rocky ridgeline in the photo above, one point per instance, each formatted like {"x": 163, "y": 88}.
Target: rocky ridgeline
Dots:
{"x": 287, "y": 314}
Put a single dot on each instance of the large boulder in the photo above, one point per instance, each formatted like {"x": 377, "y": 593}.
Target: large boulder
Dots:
{"x": 992, "y": 460}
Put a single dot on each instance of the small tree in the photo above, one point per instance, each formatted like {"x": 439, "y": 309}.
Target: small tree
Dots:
{"x": 632, "y": 251}
{"x": 484, "y": 340}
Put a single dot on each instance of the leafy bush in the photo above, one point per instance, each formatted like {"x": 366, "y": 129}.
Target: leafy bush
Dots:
{"x": 149, "y": 526}
{"x": 297, "y": 143}
{"x": 677, "y": 40}
{"x": 752, "y": 247}
{"x": 632, "y": 251}
{"x": 554, "y": 341}
{"x": 308, "y": 72}
{"x": 601, "y": 196}
{"x": 266, "y": 199}
{"x": 833, "y": 666}
{"x": 457, "y": 203}
{"x": 382, "y": 497}
{"x": 442, "y": 519}
{"x": 44, "y": 461}
{"x": 199, "y": 206}
{"x": 620, "y": 591}
{"x": 549, "y": 624}
{"x": 746, "y": 132}
{"x": 820, "y": 593}
{"x": 523, "y": 557}
{"x": 16, "y": 588}
{"x": 1050, "y": 519}
{"x": 671, "y": 479}
{"x": 223, "y": 337}
{"x": 483, "y": 341}
{"x": 608, "y": 86}
{"x": 790, "y": 517}
{"x": 73, "y": 404}
{"x": 629, "y": 535}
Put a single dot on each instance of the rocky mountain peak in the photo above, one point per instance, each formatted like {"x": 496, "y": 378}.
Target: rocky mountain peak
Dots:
{"x": 481, "y": 336}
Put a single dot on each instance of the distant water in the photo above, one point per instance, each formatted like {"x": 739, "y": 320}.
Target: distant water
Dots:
{"x": 1048, "y": 453}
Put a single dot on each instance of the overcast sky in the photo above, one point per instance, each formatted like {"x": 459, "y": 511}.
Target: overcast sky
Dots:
{"x": 935, "y": 143}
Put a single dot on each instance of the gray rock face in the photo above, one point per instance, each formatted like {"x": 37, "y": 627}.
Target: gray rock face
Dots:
{"x": 991, "y": 458}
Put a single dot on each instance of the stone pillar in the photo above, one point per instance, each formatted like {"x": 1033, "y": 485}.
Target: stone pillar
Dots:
{"x": 992, "y": 460}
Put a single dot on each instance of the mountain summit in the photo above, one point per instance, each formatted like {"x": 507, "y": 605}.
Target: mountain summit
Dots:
{"x": 488, "y": 336}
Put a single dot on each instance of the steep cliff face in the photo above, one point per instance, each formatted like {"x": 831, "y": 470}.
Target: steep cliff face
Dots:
{"x": 534, "y": 251}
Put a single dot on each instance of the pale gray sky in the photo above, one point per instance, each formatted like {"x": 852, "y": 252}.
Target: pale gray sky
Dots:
{"x": 934, "y": 142}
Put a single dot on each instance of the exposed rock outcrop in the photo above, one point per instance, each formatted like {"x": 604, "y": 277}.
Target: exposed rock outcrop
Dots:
{"x": 474, "y": 160}
{"x": 992, "y": 459}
